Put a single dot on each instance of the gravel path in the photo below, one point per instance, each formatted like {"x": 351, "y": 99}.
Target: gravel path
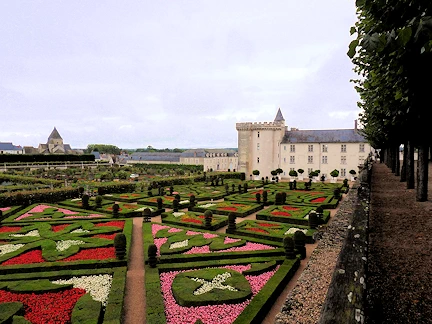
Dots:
{"x": 400, "y": 261}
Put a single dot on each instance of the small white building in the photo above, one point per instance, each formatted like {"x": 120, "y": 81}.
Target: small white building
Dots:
{"x": 9, "y": 148}
{"x": 270, "y": 145}
{"x": 211, "y": 159}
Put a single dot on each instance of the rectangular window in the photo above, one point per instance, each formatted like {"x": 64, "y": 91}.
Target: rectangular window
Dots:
{"x": 258, "y": 134}
{"x": 343, "y": 148}
{"x": 343, "y": 173}
{"x": 284, "y": 147}
{"x": 292, "y": 159}
{"x": 324, "y": 148}
{"x": 292, "y": 148}
{"x": 257, "y": 159}
{"x": 292, "y": 169}
{"x": 310, "y": 159}
{"x": 361, "y": 147}
{"x": 361, "y": 160}
{"x": 258, "y": 146}
{"x": 324, "y": 159}
{"x": 310, "y": 148}
{"x": 343, "y": 159}
{"x": 285, "y": 160}
{"x": 310, "y": 170}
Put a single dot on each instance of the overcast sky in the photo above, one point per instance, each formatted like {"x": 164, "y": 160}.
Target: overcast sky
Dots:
{"x": 171, "y": 73}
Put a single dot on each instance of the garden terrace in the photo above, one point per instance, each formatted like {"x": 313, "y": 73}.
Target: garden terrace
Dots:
{"x": 290, "y": 214}
{"x": 227, "y": 207}
{"x": 67, "y": 296}
{"x": 193, "y": 219}
{"x": 47, "y": 212}
{"x": 312, "y": 199}
{"x": 209, "y": 289}
{"x": 77, "y": 202}
{"x": 167, "y": 201}
{"x": 127, "y": 197}
{"x": 28, "y": 247}
{"x": 272, "y": 231}
{"x": 131, "y": 209}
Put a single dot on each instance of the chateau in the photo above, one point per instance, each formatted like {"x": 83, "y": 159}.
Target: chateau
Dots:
{"x": 270, "y": 145}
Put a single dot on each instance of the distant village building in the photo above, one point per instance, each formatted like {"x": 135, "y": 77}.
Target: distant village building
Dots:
{"x": 54, "y": 145}
{"x": 150, "y": 158}
{"x": 270, "y": 145}
{"x": 211, "y": 159}
{"x": 9, "y": 148}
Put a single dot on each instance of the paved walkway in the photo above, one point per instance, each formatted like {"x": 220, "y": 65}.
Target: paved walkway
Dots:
{"x": 400, "y": 259}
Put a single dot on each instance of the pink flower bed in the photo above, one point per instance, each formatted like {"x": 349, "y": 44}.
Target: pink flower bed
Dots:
{"x": 41, "y": 208}
{"x": 156, "y": 228}
{"x": 249, "y": 246}
{"x": 174, "y": 230}
{"x": 212, "y": 314}
{"x": 159, "y": 242}
{"x": 229, "y": 240}
{"x": 86, "y": 216}
{"x": 5, "y": 208}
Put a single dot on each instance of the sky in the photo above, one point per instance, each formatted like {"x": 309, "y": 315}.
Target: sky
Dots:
{"x": 171, "y": 74}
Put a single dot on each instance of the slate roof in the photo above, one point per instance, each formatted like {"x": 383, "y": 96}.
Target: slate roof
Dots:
{"x": 203, "y": 152}
{"x": 54, "y": 135}
{"x": 279, "y": 116}
{"x": 155, "y": 156}
{"x": 8, "y": 146}
{"x": 324, "y": 136}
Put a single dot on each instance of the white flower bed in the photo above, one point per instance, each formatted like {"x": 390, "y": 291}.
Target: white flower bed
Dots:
{"x": 31, "y": 233}
{"x": 216, "y": 283}
{"x": 180, "y": 244}
{"x": 64, "y": 245}
{"x": 178, "y": 214}
{"x": 292, "y": 230}
{"x": 76, "y": 199}
{"x": 80, "y": 230}
{"x": 8, "y": 248}
{"x": 184, "y": 201}
{"x": 207, "y": 205}
{"x": 142, "y": 209}
{"x": 98, "y": 286}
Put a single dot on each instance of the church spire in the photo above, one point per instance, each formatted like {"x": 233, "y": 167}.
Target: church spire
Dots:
{"x": 279, "y": 116}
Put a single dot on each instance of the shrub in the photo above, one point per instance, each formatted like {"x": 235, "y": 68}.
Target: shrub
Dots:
{"x": 334, "y": 173}
{"x": 288, "y": 244}
{"x": 313, "y": 220}
{"x": 208, "y": 218}
{"x": 159, "y": 203}
{"x": 240, "y": 188}
{"x": 120, "y": 246}
{"x": 98, "y": 201}
{"x": 293, "y": 173}
{"x": 147, "y": 214}
{"x": 295, "y": 185}
{"x": 300, "y": 243}
{"x": 231, "y": 222}
{"x": 85, "y": 201}
{"x": 265, "y": 196}
{"x": 284, "y": 196}
{"x": 336, "y": 193}
{"x": 245, "y": 187}
{"x": 345, "y": 182}
{"x": 152, "y": 253}
{"x": 177, "y": 196}
{"x": 273, "y": 172}
{"x": 115, "y": 210}
{"x": 192, "y": 201}
{"x": 301, "y": 171}
{"x": 258, "y": 198}
{"x": 175, "y": 205}
{"x": 278, "y": 198}
{"x": 256, "y": 172}
{"x": 352, "y": 172}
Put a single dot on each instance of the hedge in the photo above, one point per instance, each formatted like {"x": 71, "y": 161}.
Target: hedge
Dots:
{"x": 11, "y": 158}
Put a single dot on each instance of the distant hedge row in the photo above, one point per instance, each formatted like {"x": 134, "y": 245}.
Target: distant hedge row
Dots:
{"x": 14, "y": 158}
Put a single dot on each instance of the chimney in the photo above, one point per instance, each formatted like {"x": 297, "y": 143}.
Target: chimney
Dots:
{"x": 355, "y": 124}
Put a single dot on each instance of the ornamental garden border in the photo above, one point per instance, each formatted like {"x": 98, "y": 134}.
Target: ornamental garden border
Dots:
{"x": 86, "y": 309}
{"x": 43, "y": 246}
{"x": 227, "y": 207}
{"x": 193, "y": 219}
{"x": 289, "y": 214}
{"x": 272, "y": 231}
{"x": 158, "y": 284}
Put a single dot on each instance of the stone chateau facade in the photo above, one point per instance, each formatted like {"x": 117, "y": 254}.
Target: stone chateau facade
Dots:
{"x": 266, "y": 146}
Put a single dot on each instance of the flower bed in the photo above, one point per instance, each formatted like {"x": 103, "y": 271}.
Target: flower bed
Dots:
{"x": 227, "y": 207}
{"x": 313, "y": 199}
{"x": 195, "y": 220}
{"x": 270, "y": 230}
{"x": 31, "y": 246}
{"x": 7, "y": 211}
{"x": 218, "y": 291}
{"x": 289, "y": 214}
{"x": 46, "y": 212}
{"x": 126, "y": 197}
{"x": 77, "y": 203}
{"x": 76, "y": 296}
{"x": 131, "y": 209}
{"x": 167, "y": 201}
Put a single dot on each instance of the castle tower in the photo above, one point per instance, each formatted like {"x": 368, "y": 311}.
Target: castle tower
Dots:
{"x": 259, "y": 145}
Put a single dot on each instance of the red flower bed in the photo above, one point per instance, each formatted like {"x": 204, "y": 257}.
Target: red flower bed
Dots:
{"x": 316, "y": 192}
{"x": 267, "y": 225}
{"x": 6, "y": 229}
{"x": 228, "y": 208}
{"x": 58, "y": 228}
{"x": 318, "y": 200}
{"x": 201, "y": 216}
{"x": 192, "y": 220}
{"x": 130, "y": 206}
{"x": 260, "y": 230}
{"x": 239, "y": 205}
{"x": 34, "y": 256}
{"x": 102, "y": 253}
{"x": 106, "y": 236}
{"x": 110, "y": 208}
{"x": 290, "y": 208}
{"x": 49, "y": 307}
{"x": 119, "y": 224}
{"x": 280, "y": 213}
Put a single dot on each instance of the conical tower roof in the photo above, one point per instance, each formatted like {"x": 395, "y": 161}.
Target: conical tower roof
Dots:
{"x": 279, "y": 116}
{"x": 54, "y": 135}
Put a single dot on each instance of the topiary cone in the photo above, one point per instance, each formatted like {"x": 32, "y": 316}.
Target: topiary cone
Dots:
{"x": 120, "y": 246}
{"x": 152, "y": 255}
{"x": 300, "y": 243}
{"x": 288, "y": 244}
{"x": 208, "y": 218}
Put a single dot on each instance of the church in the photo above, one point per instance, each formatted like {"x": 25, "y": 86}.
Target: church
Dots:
{"x": 267, "y": 146}
{"x": 54, "y": 145}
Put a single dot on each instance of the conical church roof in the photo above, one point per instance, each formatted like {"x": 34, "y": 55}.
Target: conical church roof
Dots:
{"x": 54, "y": 135}
{"x": 279, "y": 116}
